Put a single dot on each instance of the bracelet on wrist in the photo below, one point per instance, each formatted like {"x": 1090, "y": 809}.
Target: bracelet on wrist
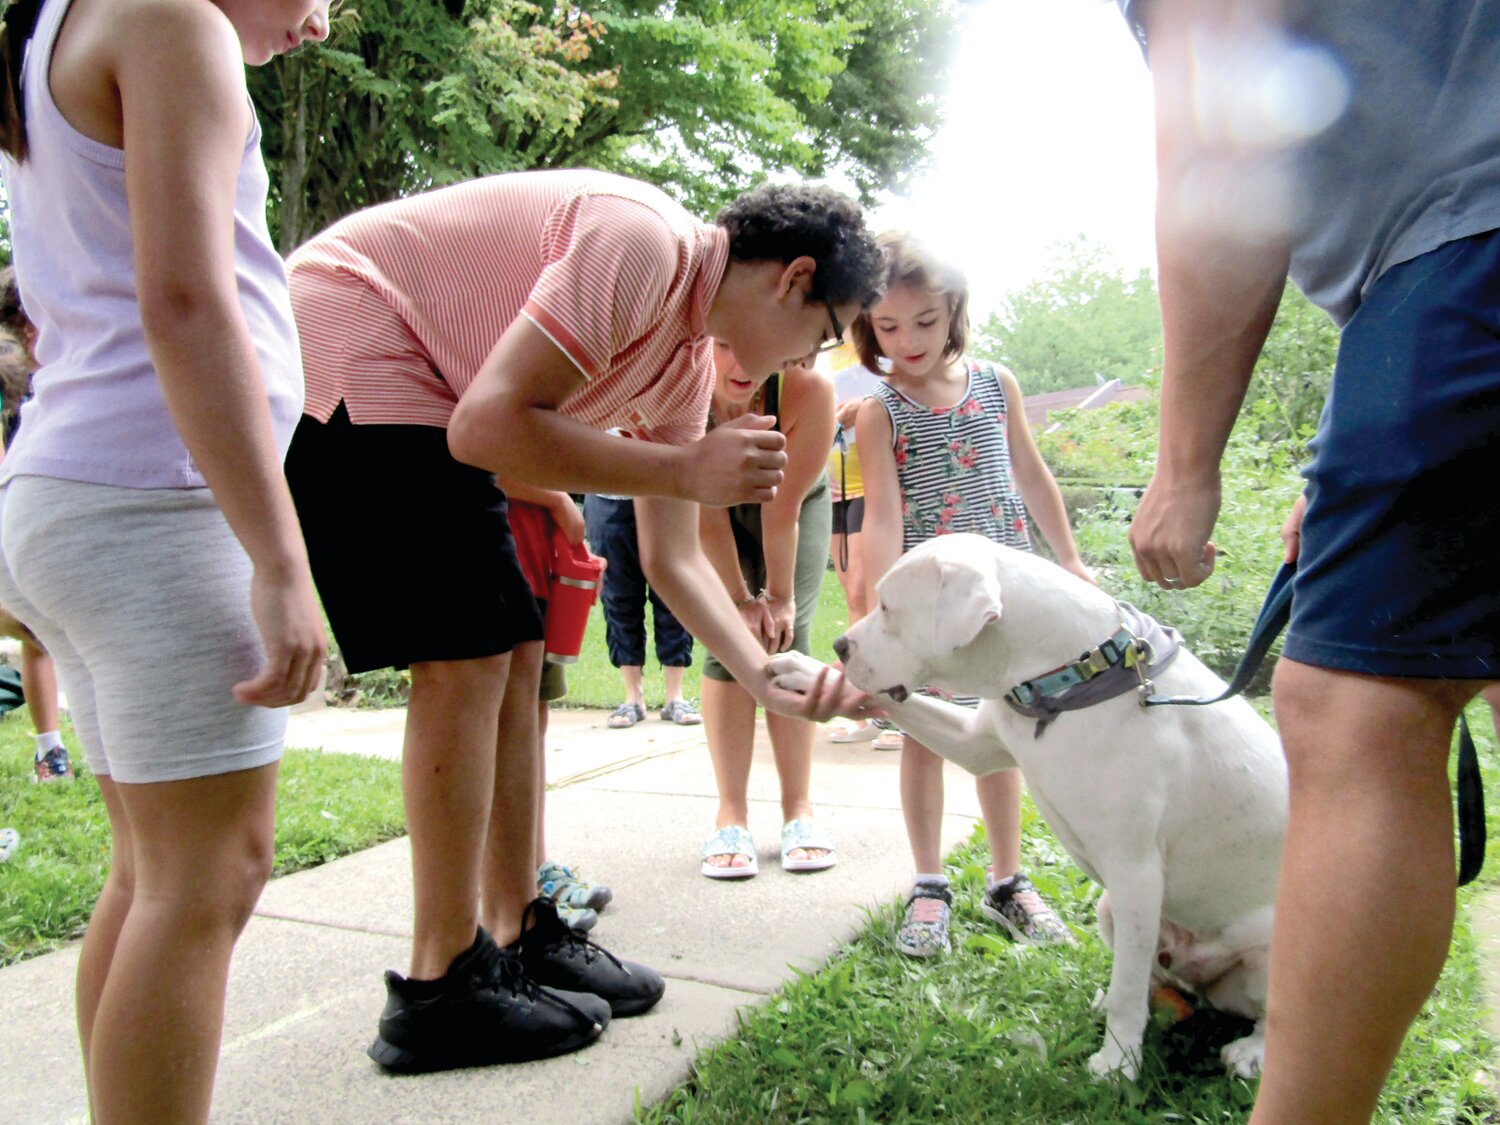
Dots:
{"x": 778, "y": 601}
{"x": 749, "y": 599}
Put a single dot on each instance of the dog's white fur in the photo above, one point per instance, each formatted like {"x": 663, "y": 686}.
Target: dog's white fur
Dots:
{"x": 1178, "y": 811}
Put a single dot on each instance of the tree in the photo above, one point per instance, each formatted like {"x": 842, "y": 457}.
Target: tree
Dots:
{"x": 1294, "y": 372}
{"x": 1080, "y": 322}
{"x": 704, "y": 97}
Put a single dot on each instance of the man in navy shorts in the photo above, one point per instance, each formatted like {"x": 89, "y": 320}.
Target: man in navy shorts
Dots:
{"x": 1380, "y": 198}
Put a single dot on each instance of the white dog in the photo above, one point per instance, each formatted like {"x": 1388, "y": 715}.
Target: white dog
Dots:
{"x": 1178, "y": 811}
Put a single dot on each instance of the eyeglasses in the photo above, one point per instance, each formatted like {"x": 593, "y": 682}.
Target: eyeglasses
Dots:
{"x": 838, "y": 329}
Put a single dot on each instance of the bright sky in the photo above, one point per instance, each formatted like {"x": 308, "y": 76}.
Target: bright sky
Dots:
{"x": 1048, "y": 136}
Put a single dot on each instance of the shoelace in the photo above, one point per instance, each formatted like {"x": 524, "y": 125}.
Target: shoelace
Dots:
{"x": 507, "y": 972}
{"x": 541, "y": 925}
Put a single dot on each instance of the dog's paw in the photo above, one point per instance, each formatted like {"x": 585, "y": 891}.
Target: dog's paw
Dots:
{"x": 1114, "y": 1064}
{"x": 1243, "y": 1057}
{"x": 793, "y": 671}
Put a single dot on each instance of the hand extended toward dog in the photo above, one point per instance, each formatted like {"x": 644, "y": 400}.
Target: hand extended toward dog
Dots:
{"x": 807, "y": 689}
{"x": 737, "y": 462}
{"x": 1170, "y": 532}
{"x": 291, "y": 632}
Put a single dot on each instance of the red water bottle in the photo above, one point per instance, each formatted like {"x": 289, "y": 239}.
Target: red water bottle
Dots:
{"x": 575, "y": 588}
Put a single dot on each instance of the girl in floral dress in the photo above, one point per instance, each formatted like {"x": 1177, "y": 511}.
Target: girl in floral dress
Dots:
{"x": 945, "y": 447}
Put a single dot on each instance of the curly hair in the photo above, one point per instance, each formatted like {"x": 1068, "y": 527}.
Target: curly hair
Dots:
{"x": 781, "y": 222}
{"x": 909, "y": 262}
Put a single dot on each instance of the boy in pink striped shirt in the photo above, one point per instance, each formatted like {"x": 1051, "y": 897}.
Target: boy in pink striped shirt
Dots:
{"x": 502, "y": 326}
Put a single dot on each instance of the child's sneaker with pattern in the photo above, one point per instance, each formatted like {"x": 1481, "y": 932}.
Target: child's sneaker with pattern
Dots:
{"x": 53, "y": 765}
{"x": 924, "y": 928}
{"x": 1017, "y": 906}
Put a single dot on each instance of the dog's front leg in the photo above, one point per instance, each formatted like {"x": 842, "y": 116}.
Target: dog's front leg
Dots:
{"x": 963, "y": 735}
{"x": 1135, "y": 893}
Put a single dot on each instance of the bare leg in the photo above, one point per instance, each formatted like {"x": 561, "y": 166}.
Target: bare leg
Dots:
{"x": 852, "y": 577}
{"x": 631, "y": 674}
{"x": 729, "y": 724}
{"x": 508, "y": 879}
{"x": 98, "y": 949}
{"x": 922, "y": 804}
{"x": 39, "y": 685}
{"x": 792, "y": 743}
{"x": 541, "y": 780}
{"x": 673, "y": 680}
{"x": 1370, "y": 812}
{"x": 202, "y": 851}
{"x": 1000, "y": 802}
{"x": 447, "y": 778}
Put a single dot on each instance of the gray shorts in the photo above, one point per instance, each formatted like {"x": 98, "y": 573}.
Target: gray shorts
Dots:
{"x": 142, "y": 596}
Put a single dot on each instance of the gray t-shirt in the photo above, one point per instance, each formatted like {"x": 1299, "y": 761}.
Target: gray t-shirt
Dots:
{"x": 1413, "y": 161}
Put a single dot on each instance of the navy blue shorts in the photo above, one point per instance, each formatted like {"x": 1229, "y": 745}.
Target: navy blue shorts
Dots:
{"x": 1399, "y": 573}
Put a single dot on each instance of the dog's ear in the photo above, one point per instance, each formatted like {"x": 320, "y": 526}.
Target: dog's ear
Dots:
{"x": 968, "y": 599}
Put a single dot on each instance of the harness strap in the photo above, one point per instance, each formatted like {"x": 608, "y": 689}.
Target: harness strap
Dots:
{"x": 1273, "y": 618}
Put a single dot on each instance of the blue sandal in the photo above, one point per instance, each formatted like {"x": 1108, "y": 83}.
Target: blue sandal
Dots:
{"x": 731, "y": 840}
{"x": 806, "y": 834}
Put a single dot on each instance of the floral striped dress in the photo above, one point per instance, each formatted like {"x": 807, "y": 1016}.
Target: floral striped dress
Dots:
{"x": 953, "y": 464}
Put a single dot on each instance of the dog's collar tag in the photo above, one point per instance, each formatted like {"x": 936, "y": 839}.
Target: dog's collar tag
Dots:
{"x": 1124, "y": 662}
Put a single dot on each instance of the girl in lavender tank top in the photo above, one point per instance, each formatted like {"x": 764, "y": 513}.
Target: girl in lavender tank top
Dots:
{"x": 146, "y": 532}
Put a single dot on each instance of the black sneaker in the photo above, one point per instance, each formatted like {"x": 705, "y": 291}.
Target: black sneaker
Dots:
{"x": 484, "y": 1010}
{"x": 556, "y": 957}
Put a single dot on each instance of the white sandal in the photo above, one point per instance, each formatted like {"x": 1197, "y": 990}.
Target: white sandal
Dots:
{"x": 731, "y": 840}
{"x": 808, "y": 835}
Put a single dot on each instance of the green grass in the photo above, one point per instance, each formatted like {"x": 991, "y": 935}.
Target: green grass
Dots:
{"x": 328, "y": 805}
{"x": 999, "y": 1033}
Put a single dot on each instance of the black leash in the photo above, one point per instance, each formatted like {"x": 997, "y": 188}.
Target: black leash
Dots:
{"x": 1274, "y": 615}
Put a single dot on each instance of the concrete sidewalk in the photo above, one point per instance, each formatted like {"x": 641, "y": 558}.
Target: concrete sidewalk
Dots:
{"x": 631, "y": 808}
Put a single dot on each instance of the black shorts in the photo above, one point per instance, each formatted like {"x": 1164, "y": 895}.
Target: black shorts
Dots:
{"x": 848, "y": 516}
{"x": 411, "y": 550}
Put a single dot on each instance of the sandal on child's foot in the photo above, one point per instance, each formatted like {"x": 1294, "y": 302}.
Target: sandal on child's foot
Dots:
{"x": 805, "y": 835}
{"x": 729, "y": 841}
{"x": 565, "y": 887}
{"x": 854, "y": 732}
{"x": 626, "y": 715}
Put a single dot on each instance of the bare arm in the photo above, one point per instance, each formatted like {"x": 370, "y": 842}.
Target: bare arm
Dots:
{"x": 559, "y": 505}
{"x": 807, "y": 420}
{"x": 676, "y": 567}
{"x": 877, "y": 462}
{"x": 1219, "y": 295}
{"x": 509, "y": 422}
{"x": 717, "y": 538}
{"x": 1035, "y": 483}
{"x": 180, "y": 77}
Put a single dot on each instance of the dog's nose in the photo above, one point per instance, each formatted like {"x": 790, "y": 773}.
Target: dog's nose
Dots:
{"x": 841, "y": 648}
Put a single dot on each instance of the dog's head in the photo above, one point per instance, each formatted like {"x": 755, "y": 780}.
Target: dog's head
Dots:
{"x": 934, "y": 605}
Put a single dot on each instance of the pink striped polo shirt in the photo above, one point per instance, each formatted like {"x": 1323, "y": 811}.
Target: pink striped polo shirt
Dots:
{"x": 399, "y": 305}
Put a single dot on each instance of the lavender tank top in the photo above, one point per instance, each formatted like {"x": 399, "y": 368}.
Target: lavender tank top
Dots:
{"x": 98, "y": 414}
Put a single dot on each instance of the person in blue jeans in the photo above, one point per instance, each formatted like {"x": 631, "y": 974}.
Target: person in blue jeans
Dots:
{"x": 609, "y": 523}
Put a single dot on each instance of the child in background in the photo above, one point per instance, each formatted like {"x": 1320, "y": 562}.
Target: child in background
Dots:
{"x": 146, "y": 533}
{"x": 945, "y": 447}
{"x": 38, "y": 672}
{"x": 532, "y": 523}
{"x": 852, "y": 382}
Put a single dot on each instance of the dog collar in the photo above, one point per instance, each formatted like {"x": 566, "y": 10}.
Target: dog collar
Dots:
{"x": 1135, "y": 652}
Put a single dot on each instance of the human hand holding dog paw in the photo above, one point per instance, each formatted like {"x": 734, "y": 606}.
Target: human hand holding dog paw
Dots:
{"x": 808, "y": 689}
